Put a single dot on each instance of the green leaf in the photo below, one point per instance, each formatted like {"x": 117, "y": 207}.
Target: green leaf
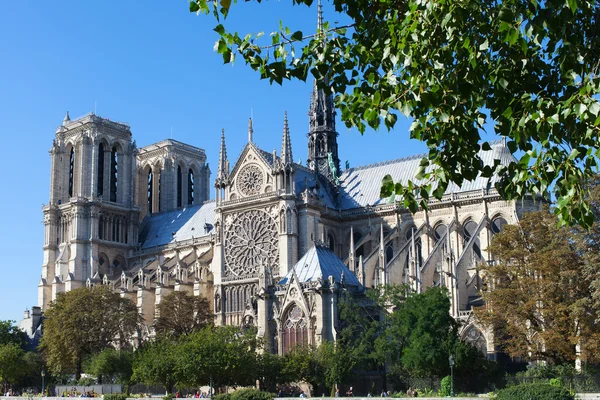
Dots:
{"x": 387, "y": 186}
{"x": 226, "y": 4}
{"x": 595, "y": 108}
{"x": 194, "y": 7}
{"x": 484, "y": 46}
{"x": 579, "y": 109}
{"x": 297, "y": 36}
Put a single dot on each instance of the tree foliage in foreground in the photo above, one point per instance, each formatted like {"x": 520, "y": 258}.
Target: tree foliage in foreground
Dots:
{"x": 111, "y": 366}
{"x": 529, "y": 68}
{"x": 83, "y": 322}
{"x": 541, "y": 299}
{"x": 181, "y": 314}
{"x": 156, "y": 363}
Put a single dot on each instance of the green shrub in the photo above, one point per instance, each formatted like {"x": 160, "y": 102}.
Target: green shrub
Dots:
{"x": 445, "y": 386}
{"x": 556, "y": 382}
{"x": 250, "y": 394}
{"x": 222, "y": 396}
{"x": 168, "y": 397}
{"x": 534, "y": 391}
{"x": 115, "y": 396}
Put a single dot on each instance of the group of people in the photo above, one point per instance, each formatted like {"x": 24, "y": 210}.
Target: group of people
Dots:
{"x": 196, "y": 395}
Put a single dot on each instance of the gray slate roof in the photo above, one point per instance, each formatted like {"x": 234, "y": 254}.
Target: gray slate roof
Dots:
{"x": 360, "y": 186}
{"x": 320, "y": 263}
{"x": 178, "y": 225}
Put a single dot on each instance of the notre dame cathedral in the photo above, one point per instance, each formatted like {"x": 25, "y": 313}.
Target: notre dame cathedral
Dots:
{"x": 279, "y": 241}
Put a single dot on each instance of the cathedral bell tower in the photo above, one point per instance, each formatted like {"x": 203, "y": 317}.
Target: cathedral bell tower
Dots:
{"x": 322, "y": 137}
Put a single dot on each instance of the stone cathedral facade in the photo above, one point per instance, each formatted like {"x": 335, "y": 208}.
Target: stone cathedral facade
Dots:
{"x": 279, "y": 242}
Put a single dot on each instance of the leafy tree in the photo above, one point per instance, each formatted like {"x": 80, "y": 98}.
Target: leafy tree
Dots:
{"x": 302, "y": 364}
{"x": 337, "y": 361}
{"x": 181, "y": 314}
{"x": 11, "y": 364}
{"x": 112, "y": 365}
{"x": 270, "y": 371}
{"x": 9, "y": 333}
{"x": 422, "y": 333}
{"x": 157, "y": 363}
{"x": 361, "y": 324}
{"x": 83, "y": 322}
{"x": 33, "y": 364}
{"x": 541, "y": 304}
{"x": 225, "y": 354}
{"x": 527, "y": 67}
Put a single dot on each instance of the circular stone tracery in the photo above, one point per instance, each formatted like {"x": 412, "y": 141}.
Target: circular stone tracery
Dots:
{"x": 250, "y": 239}
{"x": 250, "y": 180}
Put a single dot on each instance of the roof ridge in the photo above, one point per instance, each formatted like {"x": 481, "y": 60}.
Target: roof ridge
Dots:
{"x": 387, "y": 162}
{"x": 493, "y": 143}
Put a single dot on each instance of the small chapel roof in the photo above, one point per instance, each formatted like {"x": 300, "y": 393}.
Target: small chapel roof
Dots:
{"x": 360, "y": 186}
{"x": 178, "y": 225}
{"x": 320, "y": 262}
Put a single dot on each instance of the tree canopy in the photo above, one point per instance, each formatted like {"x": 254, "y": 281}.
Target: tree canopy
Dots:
{"x": 542, "y": 300}
{"x": 181, "y": 314}
{"x": 527, "y": 68}
{"x": 83, "y": 322}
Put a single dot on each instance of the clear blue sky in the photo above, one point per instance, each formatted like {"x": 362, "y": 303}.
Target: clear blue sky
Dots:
{"x": 150, "y": 64}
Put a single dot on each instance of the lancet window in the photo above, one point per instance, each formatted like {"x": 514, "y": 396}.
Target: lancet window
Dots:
{"x": 71, "y": 171}
{"x": 179, "y": 186}
{"x": 100, "y": 181}
{"x": 114, "y": 161}
{"x": 149, "y": 191}
{"x": 295, "y": 329}
{"x": 190, "y": 191}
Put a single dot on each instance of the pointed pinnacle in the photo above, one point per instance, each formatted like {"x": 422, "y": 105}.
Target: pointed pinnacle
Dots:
{"x": 250, "y": 130}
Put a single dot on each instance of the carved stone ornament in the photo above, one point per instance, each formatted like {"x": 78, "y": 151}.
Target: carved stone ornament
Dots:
{"x": 251, "y": 239}
{"x": 250, "y": 180}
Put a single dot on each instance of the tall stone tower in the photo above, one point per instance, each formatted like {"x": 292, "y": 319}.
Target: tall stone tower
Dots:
{"x": 91, "y": 221}
{"x": 322, "y": 136}
{"x": 171, "y": 175}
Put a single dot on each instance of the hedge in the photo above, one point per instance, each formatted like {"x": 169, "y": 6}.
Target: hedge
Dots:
{"x": 534, "y": 391}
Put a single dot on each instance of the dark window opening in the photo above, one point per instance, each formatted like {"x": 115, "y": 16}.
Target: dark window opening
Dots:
{"x": 439, "y": 232}
{"x": 179, "y": 185}
{"x": 389, "y": 253}
{"x": 71, "y": 170}
{"x": 100, "y": 184}
{"x": 114, "y": 160}
{"x": 149, "y": 190}
{"x": 498, "y": 224}
{"x": 190, "y": 193}
{"x": 470, "y": 230}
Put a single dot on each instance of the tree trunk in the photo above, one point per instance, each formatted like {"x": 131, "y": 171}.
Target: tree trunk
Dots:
{"x": 78, "y": 369}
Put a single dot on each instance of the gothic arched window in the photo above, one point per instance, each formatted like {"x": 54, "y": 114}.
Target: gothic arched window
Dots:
{"x": 497, "y": 225}
{"x": 114, "y": 161}
{"x": 179, "y": 185}
{"x": 149, "y": 190}
{"x": 439, "y": 231}
{"x": 470, "y": 231}
{"x": 71, "y": 170}
{"x": 295, "y": 329}
{"x": 190, "y": 191}
{"x": 330, "y": 242}
{"x": 100, "y": 181}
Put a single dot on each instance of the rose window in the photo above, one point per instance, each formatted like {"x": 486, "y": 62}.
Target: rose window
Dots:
{"x": 251, "y": 239}
{"x": 250, "y": 180}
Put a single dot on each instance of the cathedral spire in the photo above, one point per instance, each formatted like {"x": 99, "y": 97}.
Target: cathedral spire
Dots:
{"x": 66, "y": 118}
{"x": 322, "y": 137}
{"x": 319, "y": 18}
{"x": 250, "y": 130}
{"x": 223, "y": 169}
{"x": 286, "y": 144}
